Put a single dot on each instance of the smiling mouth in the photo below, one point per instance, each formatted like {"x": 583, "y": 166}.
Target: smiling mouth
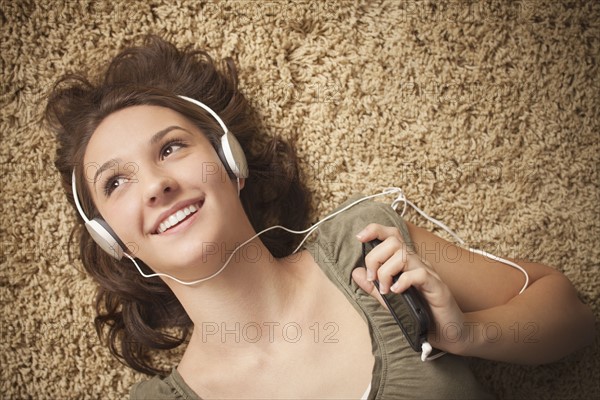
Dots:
{"x": 178, "y": 217}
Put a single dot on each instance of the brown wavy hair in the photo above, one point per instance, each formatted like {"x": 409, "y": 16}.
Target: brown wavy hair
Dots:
{"x": 137, "y": 316}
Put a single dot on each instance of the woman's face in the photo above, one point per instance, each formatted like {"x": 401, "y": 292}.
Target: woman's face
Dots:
{"x": 158, "y": 182}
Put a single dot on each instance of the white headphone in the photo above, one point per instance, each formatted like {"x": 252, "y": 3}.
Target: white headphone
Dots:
{"x": 231, "y": 154}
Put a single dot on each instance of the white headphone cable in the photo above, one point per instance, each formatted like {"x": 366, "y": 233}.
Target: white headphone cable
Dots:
{"x": 308, "y": 232}
{"x": 402, "y": 198}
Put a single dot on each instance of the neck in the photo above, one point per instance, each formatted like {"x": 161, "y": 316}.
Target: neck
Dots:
{"x": 252, "y": 295}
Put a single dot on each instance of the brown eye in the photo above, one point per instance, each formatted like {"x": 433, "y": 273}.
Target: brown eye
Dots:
{"x": 170, "y": 148}
{"x": 112, "y": 184}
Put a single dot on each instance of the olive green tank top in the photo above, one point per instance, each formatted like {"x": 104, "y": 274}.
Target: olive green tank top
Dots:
{"x": 398, "y": 372}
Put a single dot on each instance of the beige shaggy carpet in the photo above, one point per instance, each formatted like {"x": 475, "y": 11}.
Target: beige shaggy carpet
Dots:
{"x": 485, "y": 112}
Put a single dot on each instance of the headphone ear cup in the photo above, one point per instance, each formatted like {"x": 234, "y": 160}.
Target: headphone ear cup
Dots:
{"x": 104, "y": 237}
{"x": 232, "y": 156}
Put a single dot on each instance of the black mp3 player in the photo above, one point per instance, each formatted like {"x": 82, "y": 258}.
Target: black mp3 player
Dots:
{"x": 408, "y": 308}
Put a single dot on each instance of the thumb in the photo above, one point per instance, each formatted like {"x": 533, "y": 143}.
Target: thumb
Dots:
{"x": 360, "y": 277}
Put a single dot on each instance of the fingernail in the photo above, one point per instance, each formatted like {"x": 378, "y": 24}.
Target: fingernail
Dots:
{"x": 360, "y": 235}
{"x": 370, "y": 275}
{"x": 394, "y": 288}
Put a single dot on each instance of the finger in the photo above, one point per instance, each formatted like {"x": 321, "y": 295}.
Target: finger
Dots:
{"x": 427, "y": 282}
{"x": 377, "y": 231}
{"x": 401, "y": 261}
{"x": 380, "y": 255}
{"x": 398, "y": 263}
{"x": 360, "y": 277}
{"x": 392, "y": 254}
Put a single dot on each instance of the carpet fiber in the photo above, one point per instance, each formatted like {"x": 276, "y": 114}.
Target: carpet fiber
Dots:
{"x": 485, "y": 112}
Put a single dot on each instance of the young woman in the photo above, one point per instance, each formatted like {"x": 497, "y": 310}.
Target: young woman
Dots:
{"x": 260, "y": 320}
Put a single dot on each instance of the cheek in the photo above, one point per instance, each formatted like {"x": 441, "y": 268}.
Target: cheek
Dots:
{"x": 202, "y": 171}
{"x": 206, "y": 171}
{"x": 123, "y": 218}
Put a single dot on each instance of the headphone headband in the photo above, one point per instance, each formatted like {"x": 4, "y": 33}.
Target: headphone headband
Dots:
{"x": 76, "y": 198}
{"x": 230, "y": 152}
{"x": 208, "y": 109}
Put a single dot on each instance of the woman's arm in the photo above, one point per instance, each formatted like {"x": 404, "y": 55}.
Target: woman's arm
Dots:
{"x": 475, "y": 300}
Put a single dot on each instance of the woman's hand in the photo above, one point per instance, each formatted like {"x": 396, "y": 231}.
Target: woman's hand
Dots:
{"x": 474, "y": 300}
{"x": 392, "y": 257}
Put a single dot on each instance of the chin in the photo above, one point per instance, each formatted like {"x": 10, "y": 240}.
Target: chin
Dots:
{"x": 193, "y": 263}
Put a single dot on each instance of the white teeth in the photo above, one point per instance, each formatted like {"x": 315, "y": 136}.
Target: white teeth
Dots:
{"x": 176, "y": 218}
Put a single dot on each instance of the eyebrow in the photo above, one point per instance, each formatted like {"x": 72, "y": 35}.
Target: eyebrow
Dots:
{"x": 153, "y": 140}
{"x": 160, "y": 134}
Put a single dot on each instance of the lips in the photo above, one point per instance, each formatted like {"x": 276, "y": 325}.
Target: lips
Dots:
{"x": 176, "y": 215}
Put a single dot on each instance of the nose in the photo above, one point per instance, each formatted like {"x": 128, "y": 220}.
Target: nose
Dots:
{"x": 158, "y": 188}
